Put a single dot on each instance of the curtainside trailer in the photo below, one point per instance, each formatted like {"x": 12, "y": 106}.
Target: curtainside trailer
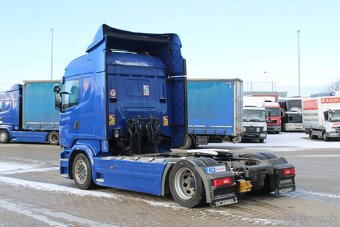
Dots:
{"x": 27, "y": 113}
{"x": 214, "y": 111}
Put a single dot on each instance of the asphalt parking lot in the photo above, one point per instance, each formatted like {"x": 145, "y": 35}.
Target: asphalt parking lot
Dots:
{"x": 32, "y": 193}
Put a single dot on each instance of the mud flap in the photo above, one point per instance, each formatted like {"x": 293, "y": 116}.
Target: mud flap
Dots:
{"x": 219, "y": 195}
{"x": 284, "y": 182}
{"x": 223, "y": 196}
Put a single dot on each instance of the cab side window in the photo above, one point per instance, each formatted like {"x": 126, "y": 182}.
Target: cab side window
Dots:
{"x": 71, "y": 93}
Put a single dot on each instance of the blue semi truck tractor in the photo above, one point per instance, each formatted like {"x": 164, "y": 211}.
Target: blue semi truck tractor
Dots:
{"x": 214, "y": 111}
{"x": 123, "y": 107}
{"x": 27, "y": 113}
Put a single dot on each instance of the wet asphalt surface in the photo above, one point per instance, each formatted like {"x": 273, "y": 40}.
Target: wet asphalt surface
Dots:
{"x": 32, "y": 193}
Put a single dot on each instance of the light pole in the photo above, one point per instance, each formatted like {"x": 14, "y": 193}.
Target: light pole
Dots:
{"x": 52, "y": 30}
{"x": 298, "y": 35}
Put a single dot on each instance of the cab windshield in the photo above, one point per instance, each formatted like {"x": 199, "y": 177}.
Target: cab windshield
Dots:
{"x": 335, "y": 116}
{"x": 274, "y": 112}
{"x": 254, "y": 116}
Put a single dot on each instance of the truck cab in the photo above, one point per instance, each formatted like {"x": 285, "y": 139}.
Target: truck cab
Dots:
{"x": 123, "y": 107}
{"x": 10, "y": 112}
{"x": 254, "y": 123}
{"x": 273, "y": 116}
{"x": 331, "y": 123}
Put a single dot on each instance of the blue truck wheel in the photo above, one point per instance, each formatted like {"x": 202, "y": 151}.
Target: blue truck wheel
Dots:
{"x": 82, "y": 172}
{"x": 186, "y": 185}
{"x": 4, "y": 136}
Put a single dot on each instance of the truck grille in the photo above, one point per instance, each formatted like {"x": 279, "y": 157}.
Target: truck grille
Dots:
{"x": 254, "y": 129}
{"x": 272, "y": 121}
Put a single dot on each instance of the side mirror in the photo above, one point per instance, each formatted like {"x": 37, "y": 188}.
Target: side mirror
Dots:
{"x": 58, "y": 101}
{"x": 56, "y": 88}
{"x": 184, "y": 66}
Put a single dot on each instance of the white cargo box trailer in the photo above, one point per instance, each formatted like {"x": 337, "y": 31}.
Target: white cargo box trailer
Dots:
{"x": 321, "y": 117}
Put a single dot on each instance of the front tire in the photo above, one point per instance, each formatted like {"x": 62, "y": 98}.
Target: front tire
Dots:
{"x": 186, "y": 185}
{"x": 4, "y": 136}
{"x": 53, "y": 138}
{"x": 324, "y": 136}
{"x": 82, "y": 172}
{"x": 189, "y": 142}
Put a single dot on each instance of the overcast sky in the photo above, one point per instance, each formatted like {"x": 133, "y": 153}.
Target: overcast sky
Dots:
{"x": 248, "y": 39}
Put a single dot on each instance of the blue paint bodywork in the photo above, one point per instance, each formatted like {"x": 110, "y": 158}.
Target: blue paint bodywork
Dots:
{"x": 27, "y": 111}
{"x": 146, "y": 80}
{"x": 215, "y": 107}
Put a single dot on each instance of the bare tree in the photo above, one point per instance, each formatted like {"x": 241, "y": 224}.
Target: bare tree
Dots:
{"x": 334, "y": 86}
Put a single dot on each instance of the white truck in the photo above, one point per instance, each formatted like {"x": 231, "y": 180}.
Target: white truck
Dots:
{"x": 321, "y": 117}
{"x": 254, "y": 119}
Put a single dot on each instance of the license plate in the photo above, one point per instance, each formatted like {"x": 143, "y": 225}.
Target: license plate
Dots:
{"x": 285, "y": 190}
{"x": 223, "y": 202}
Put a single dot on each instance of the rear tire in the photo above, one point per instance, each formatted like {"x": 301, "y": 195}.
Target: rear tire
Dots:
{"x": 4, "y": 136}
{"x": 186, "y": 185}
{"x": 311, "y": 136}
{"x": 268, "y": 155}
{"x": 53, "y": 138}
{"x": 82, "y": 172}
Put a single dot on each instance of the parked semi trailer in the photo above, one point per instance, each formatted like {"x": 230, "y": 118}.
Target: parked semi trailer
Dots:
{"x": 214, "y": 111}
{"x": 123, "y": 107}
{"x": 27, "y": 113}
{"x": 321, "y": 117}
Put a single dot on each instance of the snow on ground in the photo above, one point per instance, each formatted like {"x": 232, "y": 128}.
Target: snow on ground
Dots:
{"x": 284, "y": 140}
{"x": 13, "y": 166}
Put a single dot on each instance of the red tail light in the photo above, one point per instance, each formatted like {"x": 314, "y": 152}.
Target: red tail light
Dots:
{"x": 290, "y": 171}
{"x": 222, "y": 181}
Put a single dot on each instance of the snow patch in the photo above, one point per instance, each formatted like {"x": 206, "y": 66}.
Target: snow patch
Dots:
{"x": 55, "y": 188}
{"x": 13, "y": 166}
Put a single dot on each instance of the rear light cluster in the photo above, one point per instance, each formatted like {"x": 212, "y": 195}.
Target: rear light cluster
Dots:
{"x": 290, "y": 171}
{"x": 221, "y": 182}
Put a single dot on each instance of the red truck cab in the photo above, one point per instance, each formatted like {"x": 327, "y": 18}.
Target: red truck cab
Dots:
{"x": 273, "y": 117}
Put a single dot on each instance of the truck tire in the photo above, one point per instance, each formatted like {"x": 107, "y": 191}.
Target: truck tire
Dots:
{"x": 325, "y": 138}
{"x": 268, "y": 155}
{"x": 53, "y": 138}
{"x": 186, "y": 185}
{"x": 82, "y": 172}
{"x": 4, "y": 136}
{"x": 311, "y": 136}
{"x": 261, "y": 140}
{"x": 189, "y": 142}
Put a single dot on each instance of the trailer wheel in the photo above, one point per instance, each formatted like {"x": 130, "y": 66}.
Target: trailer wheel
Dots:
{"x": 53, "y": 138}
{"x": 186, "y": 185}
{"x": 4, "y": 136}
{"x": 81, "y": 172}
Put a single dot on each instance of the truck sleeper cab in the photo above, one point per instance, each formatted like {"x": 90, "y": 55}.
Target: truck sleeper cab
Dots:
{"x": 123, "y": 107}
